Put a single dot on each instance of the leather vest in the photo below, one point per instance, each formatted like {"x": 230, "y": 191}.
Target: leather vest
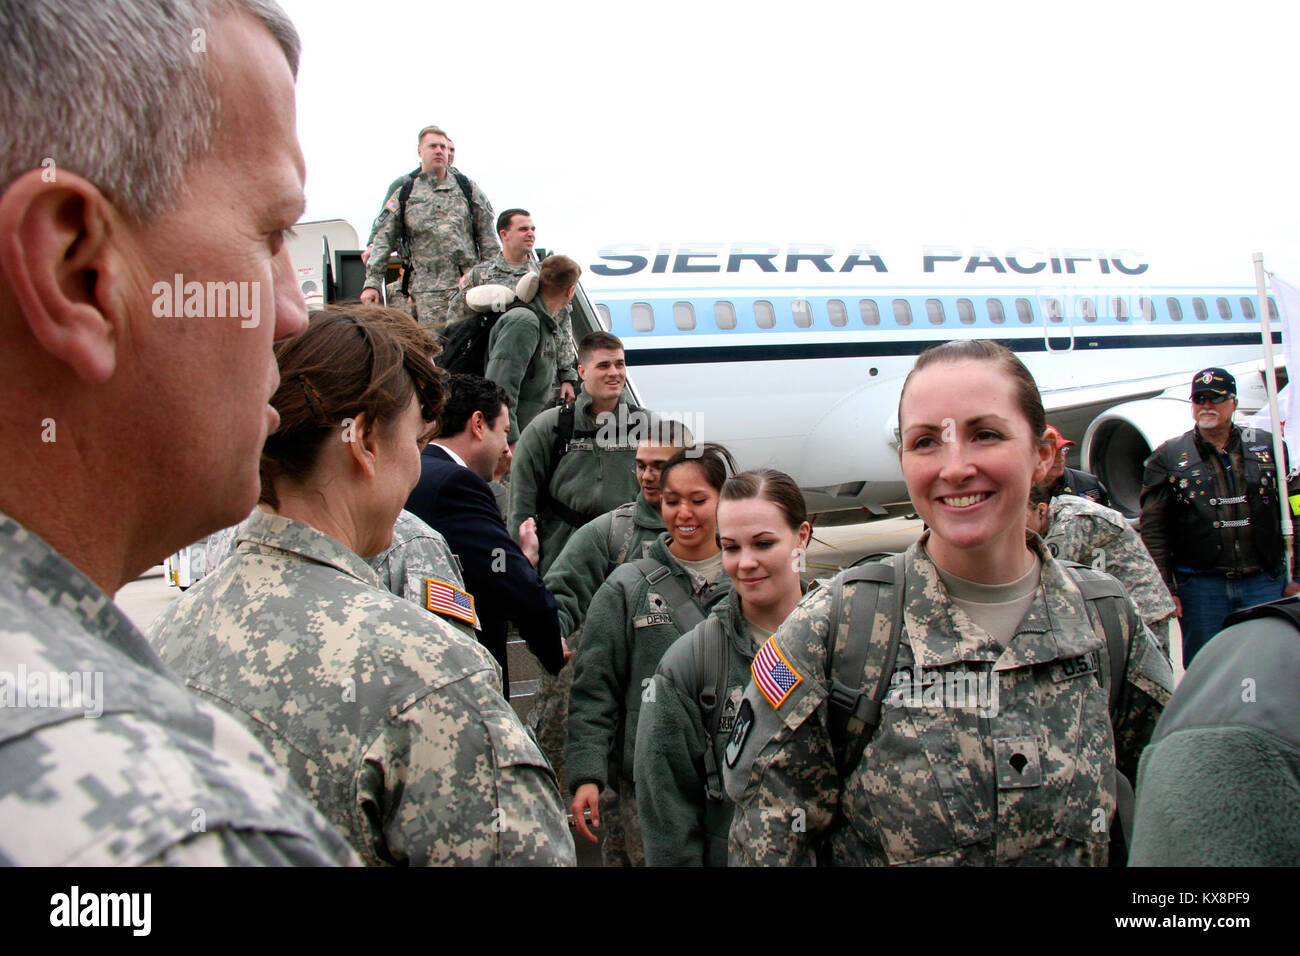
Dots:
{"x": 1196, "y": 529}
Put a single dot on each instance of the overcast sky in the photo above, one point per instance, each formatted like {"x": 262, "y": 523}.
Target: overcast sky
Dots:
{"x": 1127, "y": 124}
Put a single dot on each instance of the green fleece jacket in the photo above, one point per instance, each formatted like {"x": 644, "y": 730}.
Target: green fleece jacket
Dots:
{"x": 680, "y": 824}
{"x": 627, "y": 630}
{"x": 590, "y": 556}
{"x": 1219, "y": 783}
{"x": 597, "y": 475}
{"x": 521, "y": 359}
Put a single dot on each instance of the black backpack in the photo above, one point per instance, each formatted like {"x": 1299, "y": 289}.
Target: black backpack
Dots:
{"x": 403, "y": 241}
{"x": 465, "y": 344}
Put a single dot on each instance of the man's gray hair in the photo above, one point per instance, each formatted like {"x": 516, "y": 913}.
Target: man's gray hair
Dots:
{"x": 117, "y": 91}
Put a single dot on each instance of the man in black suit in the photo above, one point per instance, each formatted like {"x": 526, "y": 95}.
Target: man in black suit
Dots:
{"x": 453, "y": 497}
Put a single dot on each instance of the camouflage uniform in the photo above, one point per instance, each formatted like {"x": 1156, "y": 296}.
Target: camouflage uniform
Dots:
{"x": 445, "y": 242}
{"x": 936, "y": 784}
{"x": 158, "y": 776}
{"x": 521, "y": 359}
{"x": 681, "y": 825}
{"x": 417, "y": 555}
{"x": 627, "y": 629}
{"x": 496, "y": 271}
{"x": 391, "y": 720}
{"x": 574, "y": 579}
{"x": 1082, "y": 530}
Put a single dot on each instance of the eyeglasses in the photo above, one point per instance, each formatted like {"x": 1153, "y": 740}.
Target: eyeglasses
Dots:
{"x": 1213, "y": 399}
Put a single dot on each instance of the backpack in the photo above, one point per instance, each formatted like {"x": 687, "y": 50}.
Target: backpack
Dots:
{"x": 465, "y": 344}
{"x": 404, "y": 238}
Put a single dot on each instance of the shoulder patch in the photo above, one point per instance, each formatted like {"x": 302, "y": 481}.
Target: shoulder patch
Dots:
{"x": 391, "y": 205}
{"x": 443, "y": 598}
{"x": 740, "y": 730}
{"x": 774, "y": 675}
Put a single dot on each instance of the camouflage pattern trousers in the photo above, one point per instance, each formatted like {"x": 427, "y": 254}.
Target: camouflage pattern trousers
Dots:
{"x": 430, "y": 308}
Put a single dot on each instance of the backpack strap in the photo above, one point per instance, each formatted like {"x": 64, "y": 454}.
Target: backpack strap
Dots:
{"x": 463, "y": 181}
{"x": 710, "y": 651}
{"x": 564, "y": 435}
{"x": 1103, "y": 593}
{"x": 853, "y": 715}
{"x": 685, "y": 612}
{"x": 622, "y": 527}
{"x": 405, "y": 239}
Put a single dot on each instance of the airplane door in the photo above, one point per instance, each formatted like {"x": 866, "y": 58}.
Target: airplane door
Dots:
{"x": 1058, "y": 323}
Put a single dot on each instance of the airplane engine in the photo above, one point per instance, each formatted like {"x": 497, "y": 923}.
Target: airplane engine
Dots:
{"x": 1120, "y": 440}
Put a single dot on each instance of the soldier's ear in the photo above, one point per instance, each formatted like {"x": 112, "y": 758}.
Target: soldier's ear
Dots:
{"x": 61, "y": 268}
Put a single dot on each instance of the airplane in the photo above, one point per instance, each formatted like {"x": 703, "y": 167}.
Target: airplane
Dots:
{"x": 794, "y": 356}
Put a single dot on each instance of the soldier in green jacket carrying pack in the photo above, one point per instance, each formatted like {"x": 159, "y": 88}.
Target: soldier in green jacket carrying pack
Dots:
{"x": 522, "y": 345}
{"x": 682, "y": 735}
{"x": 635, "y": 616}
{"x": 575, "y": 462}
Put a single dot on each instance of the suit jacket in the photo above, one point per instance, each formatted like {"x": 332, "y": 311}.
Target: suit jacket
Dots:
{"x": 460, "y": 506}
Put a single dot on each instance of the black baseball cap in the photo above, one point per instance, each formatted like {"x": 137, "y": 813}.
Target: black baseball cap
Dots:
{"x": 1214, "y": 380}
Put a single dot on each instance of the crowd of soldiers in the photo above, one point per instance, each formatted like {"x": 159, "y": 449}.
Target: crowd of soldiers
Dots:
{"x": 336, "y": 690}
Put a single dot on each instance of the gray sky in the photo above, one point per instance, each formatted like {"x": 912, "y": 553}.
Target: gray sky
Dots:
{"x": 1119, "y": 124}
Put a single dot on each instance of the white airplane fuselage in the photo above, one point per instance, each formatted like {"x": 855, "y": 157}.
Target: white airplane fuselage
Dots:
{"x": 794, "y": 357}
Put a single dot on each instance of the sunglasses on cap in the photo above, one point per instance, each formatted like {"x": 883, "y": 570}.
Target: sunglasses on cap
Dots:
{"x": 1212, "y": 398}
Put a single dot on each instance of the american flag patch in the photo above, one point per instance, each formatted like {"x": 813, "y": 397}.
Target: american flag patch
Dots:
{"x": 391, "y": 205}
{"x": 443, "y": 598}
{"x": 773, "y": 674}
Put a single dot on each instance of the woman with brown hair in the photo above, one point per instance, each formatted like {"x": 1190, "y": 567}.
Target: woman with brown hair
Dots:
{"x": 634, "y": 617}
{"x": 390, "y": 719}
{"x": 682, "y": 735}
{"x": 967, "y": 702}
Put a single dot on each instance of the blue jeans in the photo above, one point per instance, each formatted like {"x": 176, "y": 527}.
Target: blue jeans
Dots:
{"x": 1209, "y": 598}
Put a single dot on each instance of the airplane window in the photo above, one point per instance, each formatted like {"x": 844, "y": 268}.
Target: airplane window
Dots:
{"x": 1247, "y": 307}
{"x": 966, "y": 311}
{"x": 684, "y": 316}
{"x": 1121, "y": 309}
{"x": 1053, "y": 307}
{"x": 902, "y": 312}
{"x": 802, "y": 313}
{"x": 1088, "y": 309}
{"x": 934, "y": 311}
{"x": 643, "y": 317}
{"x": 1148, "y": 309}
{"x": 1225, "y": 310}
{"x": 1198, "y": 306}
{"x": 604, "y": 315}
{"x": 724, "y": 314}
{"x": 870, "y": 311}
{"x": 838, "y": 312}
{"x": 764, "y": 314}
{"x": 1272, "y": 308}
{"x": 996, "y": 314}
{"x": 1024, "y": 311}
{"x": 1175, "y": 309}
